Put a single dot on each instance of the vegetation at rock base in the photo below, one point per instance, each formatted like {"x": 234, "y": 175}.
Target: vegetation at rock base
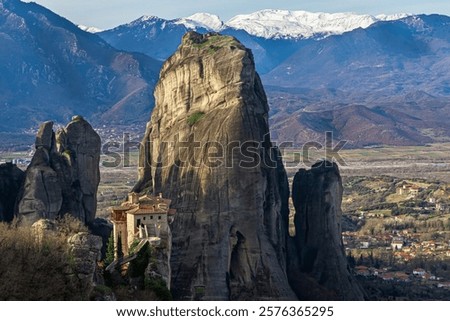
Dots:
{"x": 33, "y": 268}
{"x": 137, "y": 267}
{"x": 136, "y": 283}
{"x": 159, "y": 287}
{"x": 102, "y": 291}
{"x": 70, "y": 225}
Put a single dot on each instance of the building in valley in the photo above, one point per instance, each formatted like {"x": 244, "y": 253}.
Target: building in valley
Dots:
{"x": 408, "y": 189}
{"x": 397, "y": 243}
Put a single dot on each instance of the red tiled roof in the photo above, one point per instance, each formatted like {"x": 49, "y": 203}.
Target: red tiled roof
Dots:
{"x": 138, "y": 211}
{"x": 121, "y": 208}
{"x": 361, "y": 267}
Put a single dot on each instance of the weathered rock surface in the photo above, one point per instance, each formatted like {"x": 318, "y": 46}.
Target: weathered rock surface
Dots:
{"x": 63, "y": 176}
{"x": 161, "y": 265}
{"x": 11, "y": 178}
{"x": 103, "y": 228}
{"x": 80, "y": 145}
{"x": 230, "y": 231}
{"x": 318, "y": 267}
{"x": 42, "y": 190}
{"x": 45, "y": 136}
{"x": 85, "y": 249}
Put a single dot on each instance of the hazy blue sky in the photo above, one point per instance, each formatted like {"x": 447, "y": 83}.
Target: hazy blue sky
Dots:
{"x": 110, "y": 13}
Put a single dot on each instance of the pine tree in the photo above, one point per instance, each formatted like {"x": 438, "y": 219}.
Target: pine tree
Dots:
{"x": 351, "y": 260}
{"x": 360, "y": 260}
{"x": 110, "y": 250}
{"x": 119, "y": 247}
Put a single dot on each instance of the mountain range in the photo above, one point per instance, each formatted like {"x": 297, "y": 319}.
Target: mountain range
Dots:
{"x": 398, "y": 69}
{"x": 50, "y": 69}
{"x": 371, "y": 80}
{"x": 273, "y": 35}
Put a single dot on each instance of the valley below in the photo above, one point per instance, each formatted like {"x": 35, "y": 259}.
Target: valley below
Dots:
{"x": 374, "y": 216}
{"x": 397, "y": 239}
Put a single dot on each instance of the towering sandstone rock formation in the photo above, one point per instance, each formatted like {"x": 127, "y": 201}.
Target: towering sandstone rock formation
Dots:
{"x": 229, "y": 235}
{"x": 317, "y": 264}
{"x": 64, "y": 174}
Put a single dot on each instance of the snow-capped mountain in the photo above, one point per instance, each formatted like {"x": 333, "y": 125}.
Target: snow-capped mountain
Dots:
{"x": 201, "y": 20}
{"x": 303, "y": 24}
{"x": 271, "y": 34}
{"x": 271, "y": 24}
{"x": 150, "y": 35}
{"x": 275, "y": 24}
{"x": 90, "y": 29}
{"x": 394, "y": 57}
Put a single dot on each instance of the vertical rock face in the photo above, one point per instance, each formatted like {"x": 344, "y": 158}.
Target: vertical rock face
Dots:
{"x": 318, "y": 266}
{"x": 63, "y": 175}
{"x": 80, "y": 145}
{"x": 42, "y": 190}
{"x": 11, "y": 178}
{"x": 229, "y": 234}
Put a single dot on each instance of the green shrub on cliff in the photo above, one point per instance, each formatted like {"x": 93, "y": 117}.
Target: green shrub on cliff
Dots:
{"x": 195, "y": 117}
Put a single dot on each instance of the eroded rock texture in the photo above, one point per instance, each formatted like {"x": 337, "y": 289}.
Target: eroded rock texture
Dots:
{"x": 64, "y": 174}
{"x": 229, "y": 234}
{"x": 80, "y": 145}
{"x": 85, "y": 249}
{"x": 11, "y": 178}
{"x": 318, "y": 267}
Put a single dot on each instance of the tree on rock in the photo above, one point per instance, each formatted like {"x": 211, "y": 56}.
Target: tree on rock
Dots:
{"x": 110, "y": 250}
